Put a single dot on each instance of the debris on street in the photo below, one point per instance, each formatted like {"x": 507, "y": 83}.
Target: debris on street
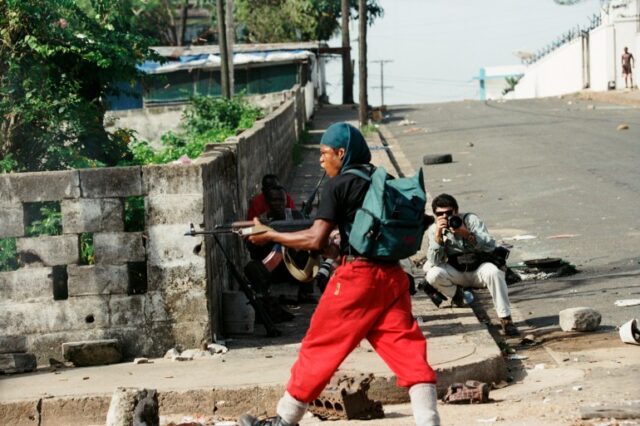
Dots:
{"x": 627, "y": 302}
{"x": 469, "y": 392}
{"x": 579, "y": 319}
{"x": 345, "y": 398}
{"x": 629, "y": 332}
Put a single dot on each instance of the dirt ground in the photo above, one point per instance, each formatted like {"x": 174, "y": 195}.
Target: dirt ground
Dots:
{"x": 552, "y": 376}
{"x": 561, "y": 373}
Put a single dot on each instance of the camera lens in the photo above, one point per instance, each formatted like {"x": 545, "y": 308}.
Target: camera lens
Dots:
{"x": 454, "y": 222}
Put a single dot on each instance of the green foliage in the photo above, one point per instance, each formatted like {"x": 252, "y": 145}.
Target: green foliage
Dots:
{"x": 57, "y": 64}
{"x": 270, "y": 21}
{"x": 87, "y": 255}
{"x": 368, "y": 129}
{"x": 134, "y": 214}
{"x": 206, "y": 120}
{"x": 8, "y": 255}
{"x": 47, "y": 220}
{"x": 511, "y": 84}
{"x": 7, "y": 164}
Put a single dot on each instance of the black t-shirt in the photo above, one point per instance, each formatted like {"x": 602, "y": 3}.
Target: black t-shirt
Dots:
{"x": 341, "y": 197}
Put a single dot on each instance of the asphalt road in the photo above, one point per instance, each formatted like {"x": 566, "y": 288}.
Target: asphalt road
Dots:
{"x": 558, "y": 170}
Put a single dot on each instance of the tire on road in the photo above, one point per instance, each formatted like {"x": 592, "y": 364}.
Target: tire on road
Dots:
{"x": 437, "y": 159}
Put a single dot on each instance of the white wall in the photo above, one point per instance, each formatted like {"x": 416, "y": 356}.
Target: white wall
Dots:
{"x": 626, "y": 34}
{"x": 558, "y": 73}
{"x": 601, "y": 58}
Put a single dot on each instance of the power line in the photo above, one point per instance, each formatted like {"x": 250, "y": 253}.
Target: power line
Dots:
{"x": 382, "y": 86}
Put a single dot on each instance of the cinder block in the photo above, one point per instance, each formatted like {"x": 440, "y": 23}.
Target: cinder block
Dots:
{"x": 187, "y": 305}
{"x": 48, "y": 250}
{"x": 26, "y": 285}
{"x": 127, "y": 310}
{"x": 92, "y": 352}
{"x": 118, "y": 247}
{"x": 13, "y": 344}
{"x": 155, "y": 309}
{"x": 169, "y": 247}
{"x": 163, "y": 277}
{"x": 64, "y": 411}
{"x": 48, "y": 345}
{"x": 11, "y": 220}
{"x": 97, "y": 279}
{"x": 111, "y": 182}
{"x": 190, "y": 334}
{"x": 40, "y": 186}
{"x": 21, "y": 413}
{"x": 172, "y": 179}
{"x": 170, "y": 209}
{"x": 78, "y": 313}
{"x": 92, "y": 215}
{"x": 17, "y": 363}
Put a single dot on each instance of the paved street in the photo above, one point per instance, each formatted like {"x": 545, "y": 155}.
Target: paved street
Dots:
{"x": 555, "y": 169}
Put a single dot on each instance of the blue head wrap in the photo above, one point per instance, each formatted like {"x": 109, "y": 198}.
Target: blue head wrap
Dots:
{"x": 343, "y": 135}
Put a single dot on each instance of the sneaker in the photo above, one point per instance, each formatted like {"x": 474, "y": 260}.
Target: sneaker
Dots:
{"x": 508, "y": 327}
{"x": 248, "y": 420}
{"x": 458, "y": 299}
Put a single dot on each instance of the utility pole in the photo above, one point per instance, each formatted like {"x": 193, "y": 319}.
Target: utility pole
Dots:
{"x": 382, "y": 86}
{"x": 231, "y": 39}
{"x": 222, "y": 43}
{"x": 347, "y": 72}
{"x": 363, "y": 115}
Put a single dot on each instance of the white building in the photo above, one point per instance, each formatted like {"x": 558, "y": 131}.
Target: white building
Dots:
{"x": 496, "y": 82}
{"x": 586, "y": 59}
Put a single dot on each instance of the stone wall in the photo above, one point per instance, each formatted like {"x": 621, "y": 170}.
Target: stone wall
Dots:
{"x": 52, "y": 298}
{"x": 151, "y": 122}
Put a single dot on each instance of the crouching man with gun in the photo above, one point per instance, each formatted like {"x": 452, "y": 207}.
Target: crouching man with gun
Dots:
{"x": 244, "y": 229}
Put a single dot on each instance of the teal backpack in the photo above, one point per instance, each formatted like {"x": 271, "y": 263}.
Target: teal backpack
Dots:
{"x": 390, "y": 223}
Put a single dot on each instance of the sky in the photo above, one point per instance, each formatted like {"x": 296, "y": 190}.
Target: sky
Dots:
{"x": 438, "y": 46}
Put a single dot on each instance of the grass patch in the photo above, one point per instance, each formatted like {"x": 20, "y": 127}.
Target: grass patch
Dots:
{"x": 368, "y": 129}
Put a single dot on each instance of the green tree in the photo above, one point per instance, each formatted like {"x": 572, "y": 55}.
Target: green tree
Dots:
{"x": 58, "y": 63}
{"x": 270, "y": 21}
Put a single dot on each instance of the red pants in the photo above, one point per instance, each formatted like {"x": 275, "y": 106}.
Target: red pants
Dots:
{"x": 362, "y": 300}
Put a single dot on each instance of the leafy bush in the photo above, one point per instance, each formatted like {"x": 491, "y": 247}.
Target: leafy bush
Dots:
{"x": 48, "y": 220}
{"x": 207, "y": 119}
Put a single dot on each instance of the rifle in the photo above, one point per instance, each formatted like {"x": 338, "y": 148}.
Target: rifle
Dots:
{"x": 245, "y": 285}
{"x": 307, "y": 205}
{"x": 246, "y": 227}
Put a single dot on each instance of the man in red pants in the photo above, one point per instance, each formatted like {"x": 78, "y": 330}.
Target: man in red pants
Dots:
{"x": 363, "y": 299}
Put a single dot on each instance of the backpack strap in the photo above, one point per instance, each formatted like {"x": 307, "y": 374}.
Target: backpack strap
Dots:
{"x": 362, "y": 174}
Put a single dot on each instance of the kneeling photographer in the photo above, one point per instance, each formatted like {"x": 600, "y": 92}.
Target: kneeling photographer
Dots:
{"x": 462, "y": 254}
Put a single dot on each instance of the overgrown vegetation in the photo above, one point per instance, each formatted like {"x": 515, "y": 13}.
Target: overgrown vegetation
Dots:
{"x": 46, "y": 219}
{"x": 8, "y": 255}
{"x": 271, "y": 21}
{"x": 87, "y": 255}
{"x": 58, "y": 62}
{"x": 207, "y": 119}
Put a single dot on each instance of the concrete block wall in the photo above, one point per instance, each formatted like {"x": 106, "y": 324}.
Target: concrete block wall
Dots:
{"x": 180, "y": 303}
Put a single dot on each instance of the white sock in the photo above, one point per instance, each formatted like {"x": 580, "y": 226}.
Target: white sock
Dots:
{"x": 424, "y": 404}
{"x": 290, "y": 409}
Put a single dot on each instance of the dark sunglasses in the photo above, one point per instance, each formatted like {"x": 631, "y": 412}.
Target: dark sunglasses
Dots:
{"x": 446, "y": 212}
